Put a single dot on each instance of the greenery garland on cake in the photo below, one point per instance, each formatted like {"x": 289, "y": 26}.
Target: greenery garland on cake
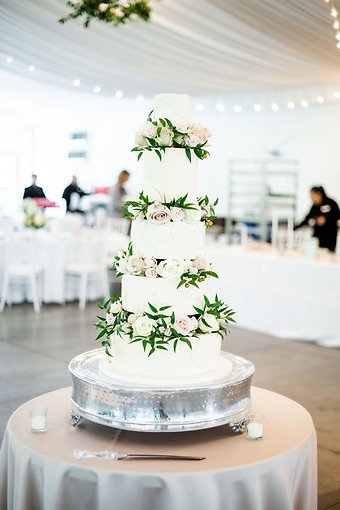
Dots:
{"x": 114, "y": 12}
{"x": 178, "y": 209}
{"x": 159, "y": 329}
{"x": 158, "y": 134}
{"x": 187, "y": 272}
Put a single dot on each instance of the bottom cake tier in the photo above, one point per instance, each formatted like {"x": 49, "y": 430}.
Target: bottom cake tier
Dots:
{"x": 201, "y": 364}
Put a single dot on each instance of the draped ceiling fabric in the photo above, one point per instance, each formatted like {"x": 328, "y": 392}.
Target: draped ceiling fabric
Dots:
{"x": 201, "y": 47}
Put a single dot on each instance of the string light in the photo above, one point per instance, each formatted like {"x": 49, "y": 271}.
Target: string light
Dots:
{"x": 237, "y": 108}
{"x": 337, "y": 94}
{"x": 76, "y": 82}
{"x": 304, "y": 103}
{"x": 291, "y": 105}
{"x": 320, "y": 99}
{"x": 275, "y": 107}
{"x": 119, "y": 94}
{"x": 220, "y": 107}
{"x": 257, "y": 107}
{"x": 97, "y": 89}
{"x": 9, "y": 60}
{"x": 336, "y": 22}
{"x": 199, "y": 107}
{"x": 31, "y": 69}
{"x": 140, "y": 99}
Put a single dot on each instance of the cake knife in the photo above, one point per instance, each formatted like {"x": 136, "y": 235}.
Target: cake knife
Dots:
{"x": 85, "y": 454}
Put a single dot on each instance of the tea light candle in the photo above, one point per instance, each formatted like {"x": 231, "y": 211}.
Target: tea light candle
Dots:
{"x": 255, "y": 430}
{"x": 39, "y": 419}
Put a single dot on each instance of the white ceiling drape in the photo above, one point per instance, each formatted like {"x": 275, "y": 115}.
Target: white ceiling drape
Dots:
{"x": 201, "y": 47}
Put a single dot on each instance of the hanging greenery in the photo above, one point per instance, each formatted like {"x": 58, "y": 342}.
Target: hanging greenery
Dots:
{"x": 114, "y": 12}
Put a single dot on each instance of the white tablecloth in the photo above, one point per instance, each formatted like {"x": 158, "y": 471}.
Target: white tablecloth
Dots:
{"x": 286, "y": 296}
{"x": 53, "y": 249}
{"x": 39, "y": 472}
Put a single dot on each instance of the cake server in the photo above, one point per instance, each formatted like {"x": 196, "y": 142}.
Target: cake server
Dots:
{"x": 86, "y": 454}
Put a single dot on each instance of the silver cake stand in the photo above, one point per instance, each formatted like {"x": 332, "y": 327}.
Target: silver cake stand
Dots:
{"x": 103, "y": 400}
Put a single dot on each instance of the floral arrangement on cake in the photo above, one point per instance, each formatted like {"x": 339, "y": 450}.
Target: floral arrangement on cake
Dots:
{"x": 34, "y": 218}
{"x": 187, "y": 272}
{"x": 157, "y": 135}
{"x": 159, "y": 329}
{"x": 161, "y": 212}
{"x": 114, "y": 12}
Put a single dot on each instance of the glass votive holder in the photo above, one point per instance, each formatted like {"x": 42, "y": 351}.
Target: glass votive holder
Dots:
{"x": 255, "y": 426}
{"x": 38, "y": 419}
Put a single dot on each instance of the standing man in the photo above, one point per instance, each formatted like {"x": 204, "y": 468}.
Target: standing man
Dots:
{"x": 72, "y": 195}
{"x": 323, "y": 217}
{"x": 34, "y": 191}
{"x": 119, "y": 193}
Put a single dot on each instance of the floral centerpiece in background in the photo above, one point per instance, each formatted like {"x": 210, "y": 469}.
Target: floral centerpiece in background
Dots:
{"x": 34, "y": 218}
{"x": 114, "y": 12}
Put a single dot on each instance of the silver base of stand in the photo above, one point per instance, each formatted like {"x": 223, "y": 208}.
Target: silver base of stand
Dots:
{"x": 99, "y": 398}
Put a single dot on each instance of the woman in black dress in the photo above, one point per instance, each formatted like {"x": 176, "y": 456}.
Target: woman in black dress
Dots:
{"x": 323, "y": 217}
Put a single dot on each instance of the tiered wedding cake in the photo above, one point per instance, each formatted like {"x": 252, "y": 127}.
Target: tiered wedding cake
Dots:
{"x": 166, "y": 329}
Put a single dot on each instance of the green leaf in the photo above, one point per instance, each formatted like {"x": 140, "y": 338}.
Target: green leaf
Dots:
{"x": 162, "y": 308}
{"x": 101, "y": 334}
{"x": 139, "y": 156}
{"x": 173, "y": 320}
{"x": 188, "y": 153}
{"x": 153, "y": 308}
{"x": 186, "y": 341}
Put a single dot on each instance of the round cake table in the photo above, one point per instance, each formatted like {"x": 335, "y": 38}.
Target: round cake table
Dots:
{"x": 39, "y": 471}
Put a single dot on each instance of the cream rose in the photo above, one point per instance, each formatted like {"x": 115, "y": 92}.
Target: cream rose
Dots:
{"x": 187, "y": 265}
{"x": 194, "y": 140}
{"x": 165, "y": 137}
{"x": 103, "y": 7}
{"x": 150, "y": 262}
{"x": 116, "y": 307}
{"x": 177, "y": 214}
{"x": 192, "y": 215}
{"x": 184, "y": 325}
{"x": 142, "y": 326}
{"x": 131, "y": 319}
{"x": 140, "y": 139}
{"x": 202, "y": 263}
{"x": 171, "y": 269}
{"x": 149, "y": 130}
{"x": 134, "y": 264}
{"x": 151, "y": 272}
{"x": 211, "y": 325}
{"x": 158, "y": 213}
{"x": 109, "y": 319}
{"x": 181, "y": 126}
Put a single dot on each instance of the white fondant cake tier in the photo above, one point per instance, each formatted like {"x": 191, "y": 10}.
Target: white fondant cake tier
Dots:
{"x": 175, "y": 107}
{"x": 175, "y": 240}
{"x": 201, "y": 364}
{"x": 138, "y": 291}
{"x": 171, "y": 177}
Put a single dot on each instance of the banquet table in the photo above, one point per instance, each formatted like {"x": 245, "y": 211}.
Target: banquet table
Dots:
{"x": 286, "y": 295}
{"x": 278, "y": 472}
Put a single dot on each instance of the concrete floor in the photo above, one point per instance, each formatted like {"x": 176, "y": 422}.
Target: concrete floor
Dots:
{"x": 35, "y": 351}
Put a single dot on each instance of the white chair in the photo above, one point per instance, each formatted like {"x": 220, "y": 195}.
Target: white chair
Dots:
{"x": 279, "y": 235}
{"x": 86, "y": 262}
{"x": 21, "y": 265}
{"x": 121, "y": 225}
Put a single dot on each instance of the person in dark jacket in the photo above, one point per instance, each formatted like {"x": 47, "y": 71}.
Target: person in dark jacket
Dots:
{"x": 72, "y": 195}
{"x": 34, "y": 191}
{"x": 323, "y": 217}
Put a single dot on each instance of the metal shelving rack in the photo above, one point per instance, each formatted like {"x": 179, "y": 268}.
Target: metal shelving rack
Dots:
{"x": 256, "y": 188}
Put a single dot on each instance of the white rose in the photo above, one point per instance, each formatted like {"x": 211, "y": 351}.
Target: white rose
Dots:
{"x": 149, "y": 130}
{"x": 192, "y": 215}
{"x": 150, "y": 262}
{"x": 134, "y": 264}
{"x": 109, "y": 318}
{"x": 205, "y": 211}
{"x": 184, "y": 325}
{"x": 181, "y": 139}
{"x": 151, "y": 272}
{"x": 202, "y": 263}
{"x": 116, "y": 307}
{"x": 102, "y": 7}
{"x": 177, "y": 214}
{"x": 142, "y": 326}
{"x": 118, "y": 12}
{"x": 121, "y": 265}
{"x": 165, "y": 137}
{"x": 187, "y": 264}
{"x": 158, "y": 213}
{"x": 213, "y": 324}
{"x": 131, "y": 319}
{"x": 203, "y": 134}
{"x": 181, "y": 126}
{"x": 140, "y": 139}
{"x": 171, "y": 269}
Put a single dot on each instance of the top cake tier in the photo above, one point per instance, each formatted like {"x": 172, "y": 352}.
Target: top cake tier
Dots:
{"x": 175, "y": 107}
